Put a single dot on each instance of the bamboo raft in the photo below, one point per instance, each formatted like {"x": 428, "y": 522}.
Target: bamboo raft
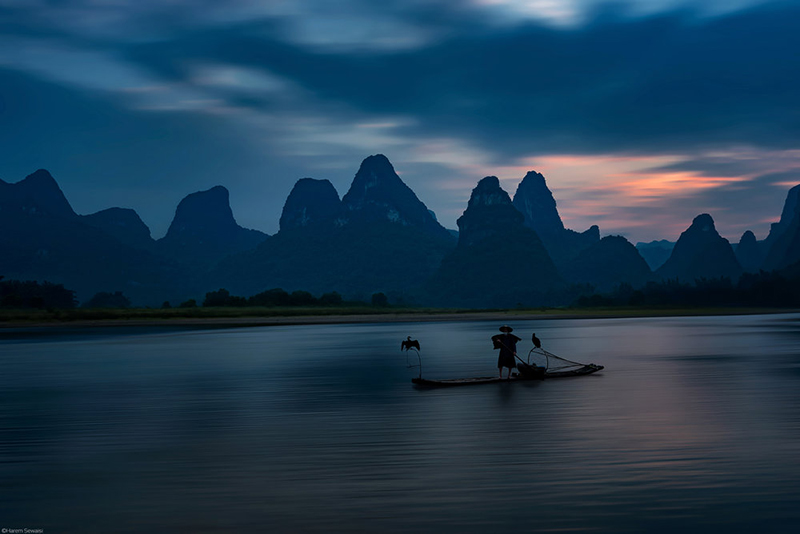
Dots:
{"x": 545, "y": 365}
{"x": 526, "y": 373}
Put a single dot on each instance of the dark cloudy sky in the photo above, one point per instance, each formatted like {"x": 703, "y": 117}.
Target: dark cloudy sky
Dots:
{"x": 641, "y": 114}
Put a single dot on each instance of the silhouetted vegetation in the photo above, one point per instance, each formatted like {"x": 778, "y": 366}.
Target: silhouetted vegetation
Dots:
{"x": 331, "y": 299}
{"x": 763, "y": 289}
{"x": 302, "y": 298}
{"x": 223, "y": 297}
{"x": 380, "y": 299}
{"x": 108, "y": 300}
{"x": 272, "y": 298}
{"x": 17, "y": 294}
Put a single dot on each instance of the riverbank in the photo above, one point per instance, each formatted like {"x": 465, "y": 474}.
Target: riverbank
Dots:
{"x": 249, "y": 317}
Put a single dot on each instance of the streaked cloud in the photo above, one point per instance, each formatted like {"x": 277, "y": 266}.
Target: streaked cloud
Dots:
{"x": 640, "y": 114}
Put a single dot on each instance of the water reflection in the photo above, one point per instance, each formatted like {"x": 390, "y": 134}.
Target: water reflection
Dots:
{"x": 694, "y": 425}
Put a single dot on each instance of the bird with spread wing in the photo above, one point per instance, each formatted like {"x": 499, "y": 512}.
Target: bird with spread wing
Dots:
{"x": 409, "y": 343}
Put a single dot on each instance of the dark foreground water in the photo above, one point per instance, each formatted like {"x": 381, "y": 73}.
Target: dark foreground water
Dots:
{"x": 694, "y": 426}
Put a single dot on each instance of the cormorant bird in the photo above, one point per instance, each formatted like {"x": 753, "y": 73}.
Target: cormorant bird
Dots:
{"x": 409, "y": 344}
{"x": 536, "y": 342}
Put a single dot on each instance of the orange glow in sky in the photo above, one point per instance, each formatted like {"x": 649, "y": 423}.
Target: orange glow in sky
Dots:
{"x": 639, "y": 196}
{"x": 657, "y": 185}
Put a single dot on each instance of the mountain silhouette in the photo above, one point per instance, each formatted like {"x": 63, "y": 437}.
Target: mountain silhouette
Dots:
{"x": 124, "y": 225}
{"x": 656, "y": 252}
{"x": 204, "y": 231}
{"x": 749, "y": 252}
{"x": 782, "y": 245}
{"x": 43, "y": 239}
{"x": 379, "y": 238}
{"x": 311, "y": 203}
{"x": 377, "y": 194}
{"x": 536, "y": 203}
{"x": 538, "y": 206}
{"x": 498, "y": 260}
{"x": 607, "y": 263}
{"x": 36, "y": 195}
{"x": 701, "y": 252}
{"x": 580, "y": 257}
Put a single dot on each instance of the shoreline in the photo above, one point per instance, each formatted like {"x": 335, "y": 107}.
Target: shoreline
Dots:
{"x": 366, "y": 318}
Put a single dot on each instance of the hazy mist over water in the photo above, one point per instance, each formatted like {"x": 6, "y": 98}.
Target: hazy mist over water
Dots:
{"x": 694, "y": 425}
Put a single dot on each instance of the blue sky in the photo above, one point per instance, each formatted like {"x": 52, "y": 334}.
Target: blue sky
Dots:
{"x": 641, "y": 115}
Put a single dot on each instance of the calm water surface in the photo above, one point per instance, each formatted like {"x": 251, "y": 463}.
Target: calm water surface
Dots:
{"x": 694, "y": 426}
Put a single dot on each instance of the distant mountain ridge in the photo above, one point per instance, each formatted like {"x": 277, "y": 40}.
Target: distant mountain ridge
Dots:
{"x": 204, "y": 231}
{"x": 37, "y": 194}
{"x": 611, "y": 261}
{"x": 42, "y": 238}
{"x": 749, "y": 252}
{"x": 781, "y": 248}
{"x": 581, "y": 258}
{"x": 378, "y": 194}
{"x": 378, "y": 237}
{"x": 655, "y": 253}
{"x": 701, "y": 252}
{"x": 311, "y": 203}
{"x": 536, "y": 203}
{"x": 124, "y": 225}
{"x": 498, "y": 260}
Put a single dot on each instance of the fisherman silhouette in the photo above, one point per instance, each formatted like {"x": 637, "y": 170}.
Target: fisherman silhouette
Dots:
{"x": 507, "y": 343}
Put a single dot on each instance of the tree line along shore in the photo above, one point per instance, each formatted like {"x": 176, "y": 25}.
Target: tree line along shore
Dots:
{"x": 31, "y": 301}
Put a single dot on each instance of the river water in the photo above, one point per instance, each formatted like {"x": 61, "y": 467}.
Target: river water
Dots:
{"x": 693, "y": 426}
